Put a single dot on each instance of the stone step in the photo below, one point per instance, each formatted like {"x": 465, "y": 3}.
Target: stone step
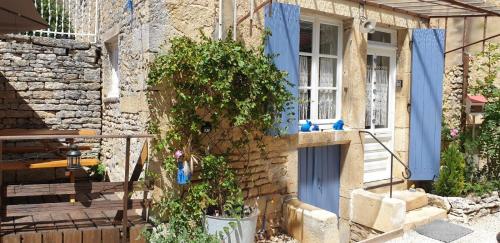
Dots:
{"x": 413, "y": 199}
{"x": 423, "y": 216}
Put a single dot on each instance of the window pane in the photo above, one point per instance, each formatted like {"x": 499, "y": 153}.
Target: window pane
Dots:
{"x": 327, "y": 72}
{"x": 304, "y": 104}
{"x": 328, "y": 36}
{"x": 306, "y": 36}
{"x": 380, "y": 36}
{"x": 377, "y": 92}
{"x": 305, "y": 71}
{"x": 326, "y": 104}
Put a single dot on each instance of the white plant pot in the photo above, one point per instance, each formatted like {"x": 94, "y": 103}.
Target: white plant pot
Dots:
{"x": 244, "y": 232}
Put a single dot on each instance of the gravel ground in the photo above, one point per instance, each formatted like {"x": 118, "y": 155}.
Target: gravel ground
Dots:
{"x": 485, "y": 231}
{"x": 280, "y": 238}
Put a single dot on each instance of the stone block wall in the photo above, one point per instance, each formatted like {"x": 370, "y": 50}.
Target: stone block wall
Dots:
{"x": 48, "y": 83}
{"x": 452, "y": 96}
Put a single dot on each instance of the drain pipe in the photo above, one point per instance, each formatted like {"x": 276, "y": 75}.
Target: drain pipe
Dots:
{"x": 235, "y": 18}
{"x": 220, "y": 19}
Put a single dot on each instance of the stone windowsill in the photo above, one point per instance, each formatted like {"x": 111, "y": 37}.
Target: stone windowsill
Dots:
{"x": 109, "y": 100}
{"x": 331, "y": 137}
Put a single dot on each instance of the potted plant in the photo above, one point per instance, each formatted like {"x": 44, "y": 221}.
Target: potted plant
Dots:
{"x": 227, "y": 217}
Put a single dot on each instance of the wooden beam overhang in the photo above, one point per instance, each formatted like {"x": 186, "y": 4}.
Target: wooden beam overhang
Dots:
{"x": 473, "y": 7}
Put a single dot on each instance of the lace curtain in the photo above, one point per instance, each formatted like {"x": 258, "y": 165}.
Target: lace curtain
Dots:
{"x": 378, "y": 97}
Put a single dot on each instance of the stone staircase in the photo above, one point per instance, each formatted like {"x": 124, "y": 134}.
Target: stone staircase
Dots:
{"x": 418, "y": 211}
{"x": 390, "y": 217}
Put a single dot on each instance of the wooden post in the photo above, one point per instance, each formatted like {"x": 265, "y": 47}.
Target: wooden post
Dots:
{"x": 465, "y": 83}
{"x": 1, "y": 190}
{"x": 125, "y": 192}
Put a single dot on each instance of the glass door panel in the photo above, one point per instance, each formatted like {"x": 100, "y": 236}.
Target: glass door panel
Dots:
{"x": 377, "y": 92}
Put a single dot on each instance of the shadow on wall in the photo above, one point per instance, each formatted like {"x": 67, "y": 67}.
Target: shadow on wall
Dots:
{"x": 16, "y": 113}
{"x": 47, "y": 83}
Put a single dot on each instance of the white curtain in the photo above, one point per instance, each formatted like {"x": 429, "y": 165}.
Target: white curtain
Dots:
{"x": 377, "y": 96}
{"x": 304, "y": 71}
{"x": 304, "y": 102}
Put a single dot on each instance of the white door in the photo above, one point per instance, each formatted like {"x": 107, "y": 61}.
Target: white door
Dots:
{"x": 379, "y": 114}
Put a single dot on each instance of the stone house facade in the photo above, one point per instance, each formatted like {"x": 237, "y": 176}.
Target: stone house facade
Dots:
{"x": 136, "y": 34}
{"x": 131, "y": 33}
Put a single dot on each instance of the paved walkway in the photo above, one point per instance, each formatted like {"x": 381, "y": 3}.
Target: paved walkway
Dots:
{"x": 485, "y": 231}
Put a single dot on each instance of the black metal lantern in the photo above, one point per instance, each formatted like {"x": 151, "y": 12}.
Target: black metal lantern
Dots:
{"x": 73, "y": 157}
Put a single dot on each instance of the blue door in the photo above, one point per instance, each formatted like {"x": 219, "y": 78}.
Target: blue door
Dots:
{"x": 426, "y": 103}
{"x": 319, "y": 169}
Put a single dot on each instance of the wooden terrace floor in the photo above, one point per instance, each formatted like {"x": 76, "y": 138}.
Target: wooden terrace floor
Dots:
{"x": 71, "y": 227}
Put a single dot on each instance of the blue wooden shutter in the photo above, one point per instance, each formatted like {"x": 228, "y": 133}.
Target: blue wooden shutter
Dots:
{"x": 284, "y": 23}
{"x": 426, "y": 103}
{"x": 319, "y": 173}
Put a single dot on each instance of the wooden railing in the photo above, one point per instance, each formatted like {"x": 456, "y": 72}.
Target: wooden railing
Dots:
{"x": 80, "y": 190}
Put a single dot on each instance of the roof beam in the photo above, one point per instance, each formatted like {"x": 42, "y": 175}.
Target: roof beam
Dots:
{"x": 457, "y": 15}
{"x": 481, "y": 10}
{"x": 386, "y": 7}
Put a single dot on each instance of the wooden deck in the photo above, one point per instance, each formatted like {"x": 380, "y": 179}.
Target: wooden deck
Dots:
{"x": 77, "y": 211}
{"x": 77, "y": 226}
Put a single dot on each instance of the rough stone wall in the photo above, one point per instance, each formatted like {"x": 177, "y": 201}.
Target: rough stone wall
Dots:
{"x": 127, "y": 114}
{"x": 146, "y": 33}
{"x": 47, "y": 83}
{"x": 469, "y": 208}
{"x": 452, "y": 96}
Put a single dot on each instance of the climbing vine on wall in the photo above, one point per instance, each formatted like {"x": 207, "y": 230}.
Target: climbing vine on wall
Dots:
{"x": 220, "y": 99}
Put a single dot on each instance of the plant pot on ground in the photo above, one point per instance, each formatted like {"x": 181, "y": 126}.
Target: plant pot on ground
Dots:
{"x": 227, "y": 217}
{"x": 233, "y": 229}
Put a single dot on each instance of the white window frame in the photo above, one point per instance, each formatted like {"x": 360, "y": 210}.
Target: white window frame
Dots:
{"x": 379, "y": 44}
{"x": 317, "y": 20}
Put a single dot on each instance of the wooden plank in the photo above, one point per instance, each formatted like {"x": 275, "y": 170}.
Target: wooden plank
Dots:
{"x": 139, "y": 166}
{"x": 72, "y": 236}
{"x": 136, "y": 234}
{"x": 41, "y": 149}
{"x": 23, "y": 224}
{"x": 7, "y": 226}
{"x": 43, "y": 222}
{"x": 91, "y": 236}
{"x": 69, "y": 188}
{"x": 110, "y": 235}
{"x": 41, "y": 164}
{"x": 52, "y": 236}
{"x": 31, "y": 237}
{"x": 68, "y": 207}
{"x": 33, "y": 132}
{"x": 12, "y": 238}
{"x": 62, "y": 221}
{"x": 81, "y": 220}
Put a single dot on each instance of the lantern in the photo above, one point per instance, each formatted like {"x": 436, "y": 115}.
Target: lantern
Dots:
{"x": 73, "y": 157}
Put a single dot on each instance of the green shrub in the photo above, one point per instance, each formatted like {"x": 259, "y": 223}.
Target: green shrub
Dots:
{"x": 485, "y": 66}
{"x": 451, "y": 177}
{"x": 481, "y": 187}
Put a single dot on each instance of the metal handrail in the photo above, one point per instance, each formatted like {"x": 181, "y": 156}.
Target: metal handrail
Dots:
{"x": 406, "y": 174}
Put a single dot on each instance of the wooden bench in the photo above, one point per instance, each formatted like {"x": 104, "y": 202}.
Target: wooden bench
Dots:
{"x": 46, "y": 147}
